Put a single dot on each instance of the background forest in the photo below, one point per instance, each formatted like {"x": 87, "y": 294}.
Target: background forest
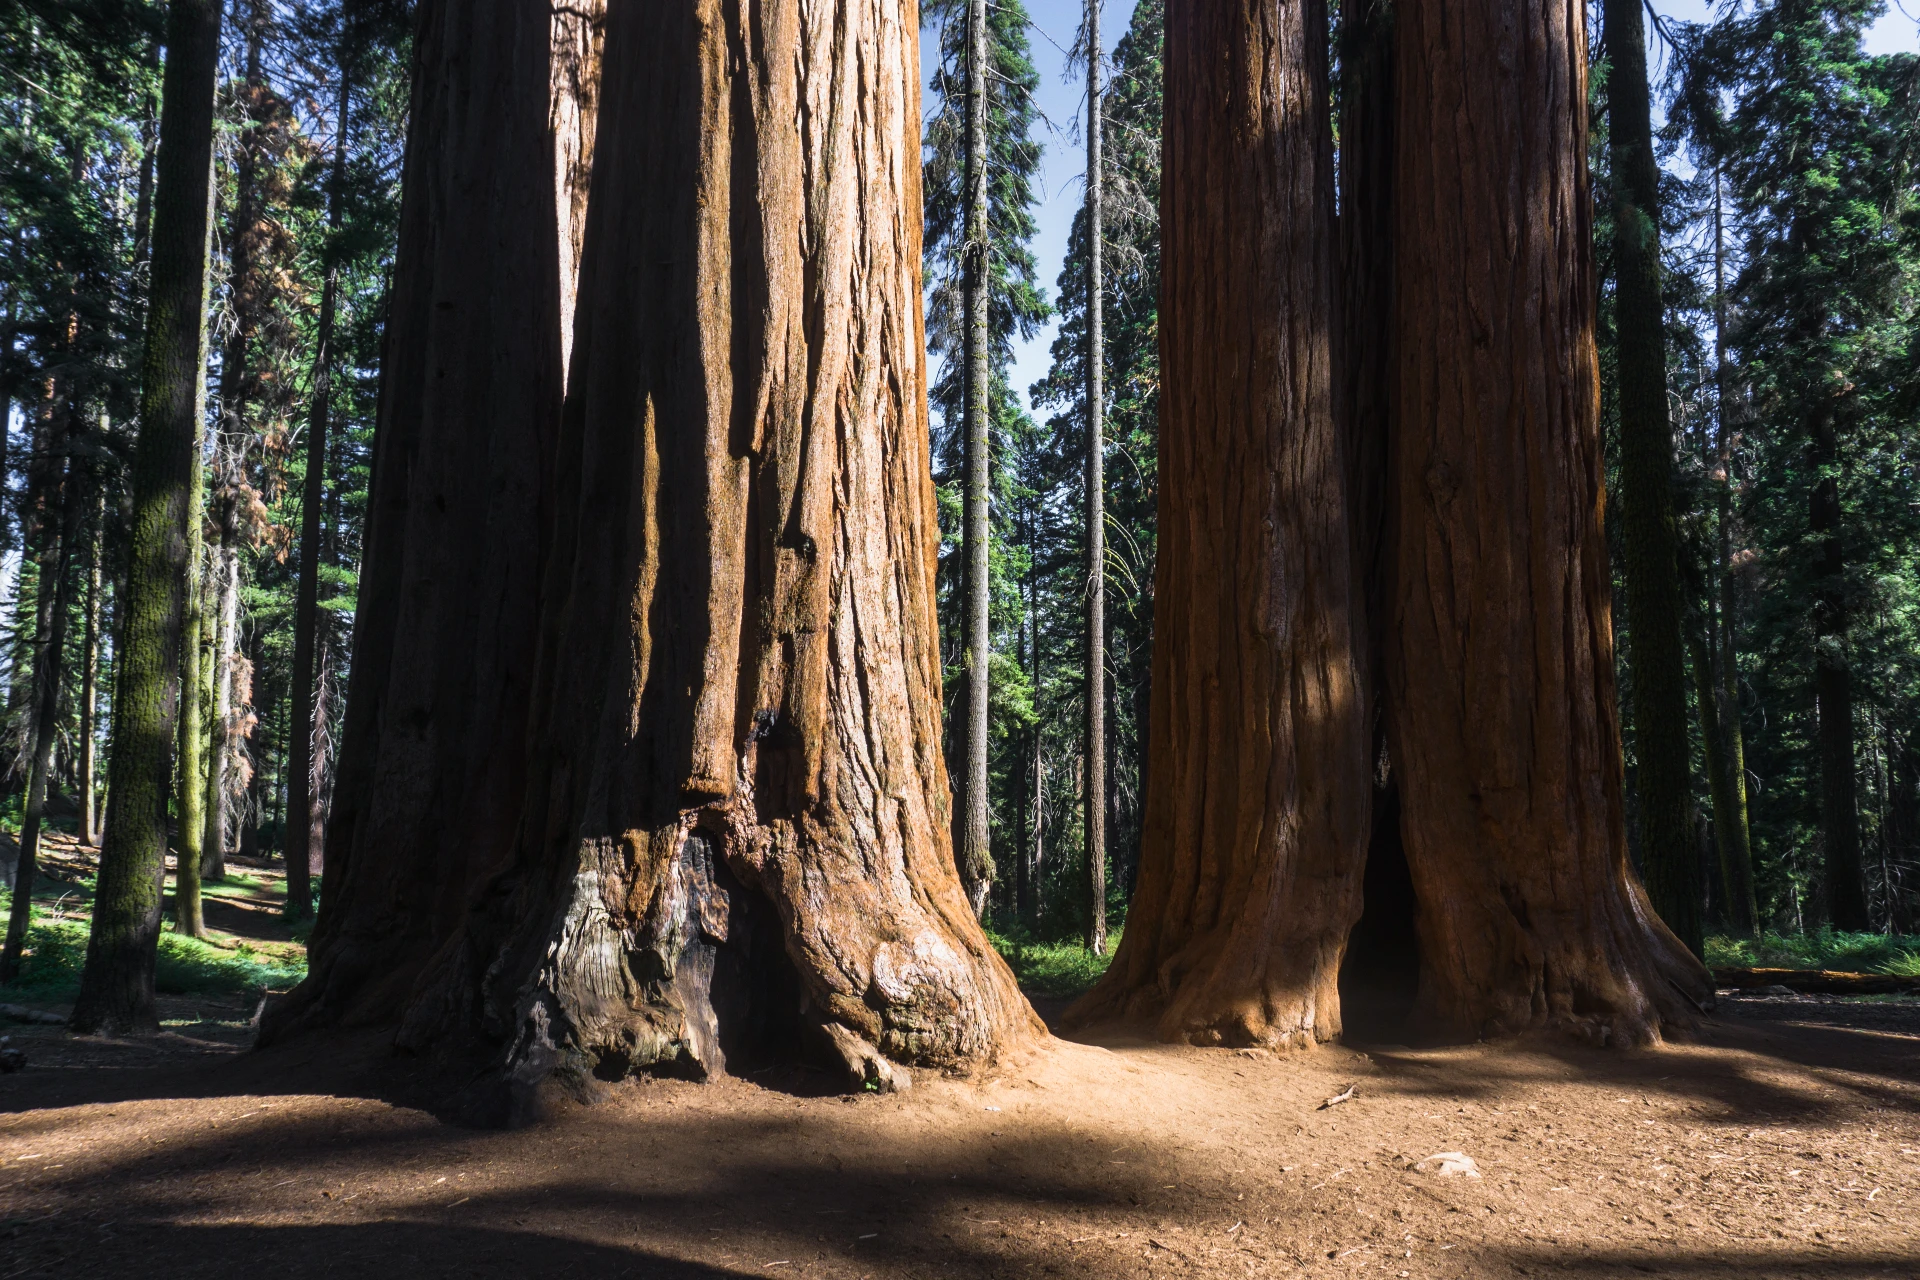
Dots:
{"x": 1789, "y": 237}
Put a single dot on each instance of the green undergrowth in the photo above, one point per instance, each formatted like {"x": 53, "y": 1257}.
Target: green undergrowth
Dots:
{"x": 57, "y": 948}
{"x": 1051, "y": 967}
{"x": 1821, "y": 949}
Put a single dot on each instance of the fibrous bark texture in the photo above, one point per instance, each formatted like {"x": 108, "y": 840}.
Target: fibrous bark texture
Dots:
{"x": 736, "y": 825}
{"x": 432, "y": 763}
{"x": 1499, "y": 659}
{"x": 1258, "y": 801}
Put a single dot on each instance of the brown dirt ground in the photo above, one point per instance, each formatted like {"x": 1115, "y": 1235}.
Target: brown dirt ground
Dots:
{"x": 1785, "y": 1144}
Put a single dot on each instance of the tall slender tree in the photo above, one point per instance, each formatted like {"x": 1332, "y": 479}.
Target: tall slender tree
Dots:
{"x": 1663, "y": 777}
{"x": 297, "y": 835}
{"x": 976, "y": 826}
{"x": 116, "y": 986}
{"x": 1096, "y": 691}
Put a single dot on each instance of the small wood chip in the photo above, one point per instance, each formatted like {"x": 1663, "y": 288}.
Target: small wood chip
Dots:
{"x": 1338, "y": 1098}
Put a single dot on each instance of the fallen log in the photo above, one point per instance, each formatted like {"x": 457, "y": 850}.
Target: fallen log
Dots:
{"x": 1818, "y": 981}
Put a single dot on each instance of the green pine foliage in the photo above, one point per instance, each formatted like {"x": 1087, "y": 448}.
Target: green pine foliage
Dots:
{"x": 1814, "y": 140}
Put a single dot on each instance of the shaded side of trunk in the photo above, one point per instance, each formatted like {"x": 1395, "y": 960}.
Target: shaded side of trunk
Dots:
{"x": 1656, "y": 607}
{"x": 431, "y": 774}
{"x": 736, "y": 829}
{"x": 1096, "y": 687}
{"x": 1258, "y": 800}
{"x": 116, "y": 987}
{"x": 976, "y": 639}
{"x": 1833, "y": 685}
{"x": 1500, "y": 699}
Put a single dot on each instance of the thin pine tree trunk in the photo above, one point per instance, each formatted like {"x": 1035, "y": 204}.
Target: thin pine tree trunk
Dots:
{"x": 1730, "y": 828}
{"x": 226, "y": 595}
{"x": 976, "y": 838}
{"x": 1096, "y": 675}
{"x": 296, "y": 842}
{"x": 90, "y": 676}
{"x": 47, "y": 670}
{"x": 1655, "y": 606}
{"x": 116, "y": 987}
{"x": 190, "y": 795}
{"x": 1833, "y": 688}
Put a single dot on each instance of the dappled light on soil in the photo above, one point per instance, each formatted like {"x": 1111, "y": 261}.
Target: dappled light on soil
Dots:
{"x": 1775, "y": 1148}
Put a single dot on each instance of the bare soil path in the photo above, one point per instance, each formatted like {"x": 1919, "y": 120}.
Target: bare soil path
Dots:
{"x": 1785, "y": 1145}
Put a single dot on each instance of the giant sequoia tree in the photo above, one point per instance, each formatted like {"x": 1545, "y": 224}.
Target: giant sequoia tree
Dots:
{"x": 1499, "y": 661}
{"x": 431, "y": 767}
{"x": 734, "y": 835}
{"x": 1258, "y": 795}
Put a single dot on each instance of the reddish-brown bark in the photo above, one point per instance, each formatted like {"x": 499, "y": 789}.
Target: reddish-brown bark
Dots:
{"x": 1258, "y": 800}
{"x": 736, "y": 830}
{"x": 432, "y": 768}
{"x": 1499, "y": 650}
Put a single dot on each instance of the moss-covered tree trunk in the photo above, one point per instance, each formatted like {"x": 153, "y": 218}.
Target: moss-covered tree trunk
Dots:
{"x": 1656, "y": 606}
{"x": 187, "y": 916}
{"x": 1499, "y": 657}
{"x": 735, "y": 838}
{"x": 431, "y": 771}
{"x": 116, "y": 987}
{"x": 1258, "y": 799}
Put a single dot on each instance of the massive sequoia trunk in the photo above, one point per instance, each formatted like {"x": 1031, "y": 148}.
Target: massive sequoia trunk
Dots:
{"x": 431, "y": 773}
{"x": 735, "y": 836}
{"x": 1499, "y": 659}
{"x": 1258, "y": 799}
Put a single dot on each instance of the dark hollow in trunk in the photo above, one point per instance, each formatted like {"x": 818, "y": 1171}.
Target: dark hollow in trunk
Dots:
{"x": 1380, "y": 976}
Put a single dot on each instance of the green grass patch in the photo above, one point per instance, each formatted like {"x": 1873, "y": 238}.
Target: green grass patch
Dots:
{"x": 1050, "y": 967}
{"x": 57, "y": 949}
{"x": 1821, "y": 949}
